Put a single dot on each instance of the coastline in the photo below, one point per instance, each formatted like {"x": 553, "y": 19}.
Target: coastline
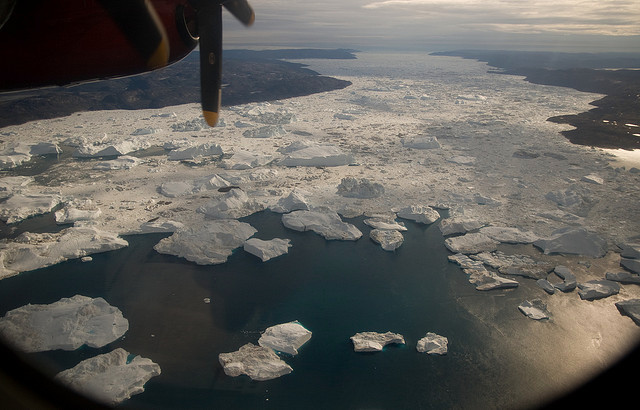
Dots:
{"x": 613, "y": 75}
{"x": 248, "y": 77}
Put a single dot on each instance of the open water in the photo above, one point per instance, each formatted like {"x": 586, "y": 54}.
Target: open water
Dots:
{"x": 334, "y": 288}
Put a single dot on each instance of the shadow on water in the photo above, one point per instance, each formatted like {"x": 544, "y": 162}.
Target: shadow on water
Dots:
{"x": 334, "y": 288}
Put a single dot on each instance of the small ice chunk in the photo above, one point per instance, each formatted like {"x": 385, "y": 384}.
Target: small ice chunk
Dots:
{"x": 266, "y": 250}
{"x": 327, "y": 224}
{"x": 419, "y": 213}
{"x": 433, "y": 344}
{"x": 286, "y": 337}
{"x": 534, "y": 309}
{"x": 389, "y": 240}
{"x": 374, "y": 342}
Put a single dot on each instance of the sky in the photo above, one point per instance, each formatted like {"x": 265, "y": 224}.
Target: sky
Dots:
{"x": 557, "y": 25}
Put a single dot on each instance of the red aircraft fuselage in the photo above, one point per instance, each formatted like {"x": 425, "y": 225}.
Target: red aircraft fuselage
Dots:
{"x": 59, "y": 42}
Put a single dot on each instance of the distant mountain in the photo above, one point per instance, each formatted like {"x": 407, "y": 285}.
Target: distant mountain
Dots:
{"x": 615, "y": 74}
{"x": 248, "y": 76}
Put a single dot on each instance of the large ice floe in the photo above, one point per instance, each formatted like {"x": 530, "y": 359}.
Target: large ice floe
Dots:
{"x": 210, "y": 243}
{"x": 66, "y": 324}
{"x": 257, "y": 362}
{"x": 21, "y": 206}
{"x": 32, "y": 251}
{"x": 110, "y": 378}
{"x": 328, "y": 224}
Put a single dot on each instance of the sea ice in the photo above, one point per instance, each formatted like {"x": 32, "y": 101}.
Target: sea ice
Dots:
{"x": 569, "y": 280}
{"x": 111, "y": 377}
{"x": 212, "y": 242}
{"x": 389, "y": 240}
{"x": 123, "y": 162}
{"x": 385, "y": 223}
{"x": 77, "y": 211}
{"x": 317, "y": 156}
{"x": 508, "y": 235}
{"x": 110, "y": 149}
{"x": 630, "y": 250}
{"x": 21, "y": 206}
{"x": 457, "y": 225}
{"x": 267, "y": 131}
{"x": 623, "y": 277}
{"x": 593, "y": 179}
{"x": 326, "y": 223}
{"x": 534, "y": 309}
{"x": 631, "y": 308}
{"x": 374, "y": 342}
{"x": 14, "y": 155}
{"x": 233, "y": 204}
{"x": 295, "y": 201}
{"x": 433, "y": 343}
{"x": 577, "y": 241}
{"x": 257, "y": 362}
{"x": 632, "y": 264}
{"x": 479, "y": 276}
{"x": 422, "y": 142}
{"x": 32, "y": 251}
{"x": 13, "y": 184}
{"x": 419, "y": 213}
{"x": 246, "y": 160}
{"x": 195, "y": 152}
{"x": 266, "y": 250}
{"x": 598, "y": 289}
{"x": 66, "y": 324}
{"x": 158, "y": 226}
{"x": 286, "y": 337}
{"x": 359, "y": 188}
{"x": 471, "y": 243}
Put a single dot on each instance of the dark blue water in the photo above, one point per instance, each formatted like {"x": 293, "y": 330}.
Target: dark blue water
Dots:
{"x": 334, "y": 288}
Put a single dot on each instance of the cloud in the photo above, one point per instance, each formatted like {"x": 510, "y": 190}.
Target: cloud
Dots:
{"x": 411, "y": 23}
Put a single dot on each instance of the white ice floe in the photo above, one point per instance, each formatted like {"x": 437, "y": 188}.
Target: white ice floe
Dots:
{"x": 15, "y": 154}
{"x": 246, "y": 160}
{"x": 631, "y": 308}
{"x": 385, "y": 223}
{"x": 374, "y": 342}
{"x": 157, "y": 226}
{"x": 266, "y": 250}
{"x": 267, "y": 131}
{"x": 21, "y": 206}
{"x": 110, "y": 378}
{"x": 457, "y": 225}
{"x": 295, "y": 201}
{"x": 317, "y": 156}
{"x": 110, "y": 149}
{"x": 419, "y": 213}
{"x": 389, "y": 240}
{"x": 286, "y": 337}
{"x": 34, "y": 251}
{"x": 257, "y": 362}
{"x": 13, "y": 184}
{"x": 359, "y": 188}
{"x": 233, "y": 204}
{"x": 576, "y": 241}
{"x": 195, "y": 152}
{"x": 505, "y": 234}
{"x": 534, "y": 309}
{"x": 422, "y": 142}
{"x": 325, "y": 223}
{"x": 212, "y": 242}
{"x": 479, "y": 276}
{"x": 123, "y": 162}
{"x": 593, "y": 179}
{"x": 77, "y": 211}
{"x": 433, "y": 343}
{"x": 471, "y": 243}
{"x": 66, "y": 324}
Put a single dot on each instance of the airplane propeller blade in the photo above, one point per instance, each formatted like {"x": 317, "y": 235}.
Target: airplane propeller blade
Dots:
{"x": 240, "y": 10}
{"x": 209, "y": 21}
{"x": 209, "y": 17}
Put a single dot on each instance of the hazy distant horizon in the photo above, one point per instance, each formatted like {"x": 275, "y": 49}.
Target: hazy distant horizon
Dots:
{"x": 441, "y": 25}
